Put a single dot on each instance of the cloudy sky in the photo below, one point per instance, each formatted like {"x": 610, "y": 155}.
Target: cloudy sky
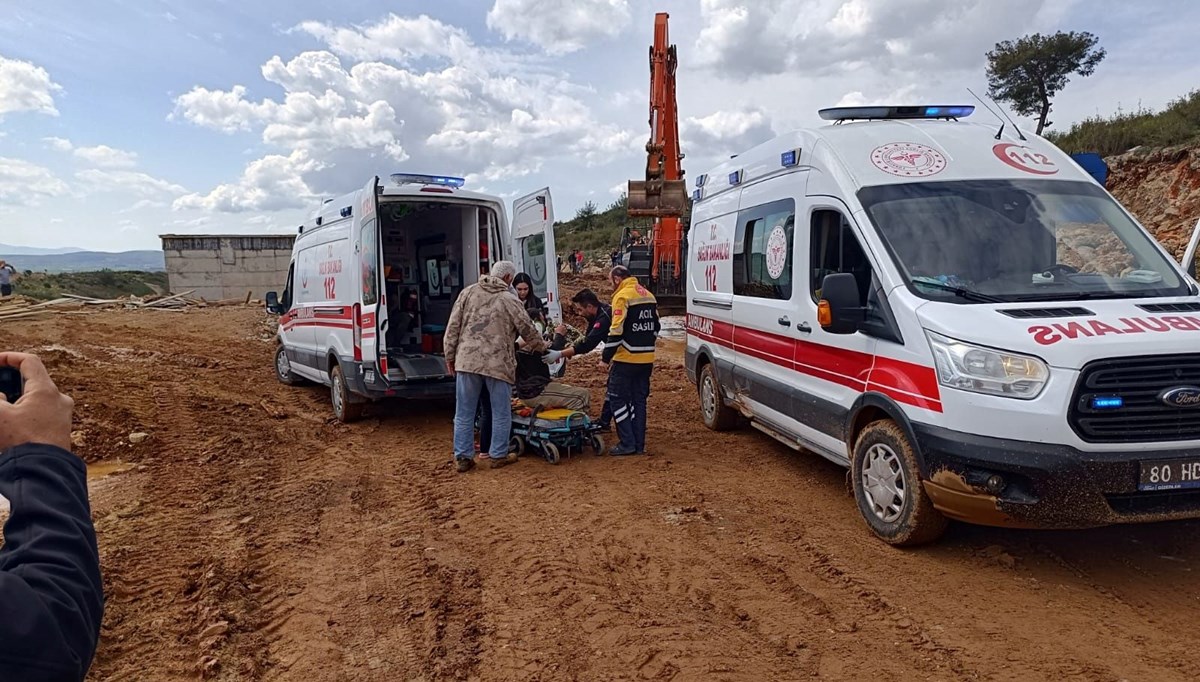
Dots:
{"x": 124, "y": 119}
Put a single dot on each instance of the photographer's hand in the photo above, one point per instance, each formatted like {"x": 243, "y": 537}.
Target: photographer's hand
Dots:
{"x": 42, "y": 414}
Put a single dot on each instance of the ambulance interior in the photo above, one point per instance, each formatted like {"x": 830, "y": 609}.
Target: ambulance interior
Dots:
{"x": 431, "y": 251}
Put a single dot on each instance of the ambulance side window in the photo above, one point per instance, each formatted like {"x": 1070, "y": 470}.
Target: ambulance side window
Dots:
{"x": 370, "y": 264}
{"x": 286, "y": 299}
{"x": 762, "y": 251}
{"x": 834, "y": 250}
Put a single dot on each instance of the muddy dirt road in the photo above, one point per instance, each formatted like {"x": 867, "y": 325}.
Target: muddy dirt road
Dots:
{"x": 249, "y": 538}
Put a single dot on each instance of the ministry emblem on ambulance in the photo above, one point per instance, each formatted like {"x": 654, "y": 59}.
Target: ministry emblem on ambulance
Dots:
{"x": 908, "y": 160}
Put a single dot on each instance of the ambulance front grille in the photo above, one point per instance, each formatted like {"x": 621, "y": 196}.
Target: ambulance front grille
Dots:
{"x": 1141, "y": 417}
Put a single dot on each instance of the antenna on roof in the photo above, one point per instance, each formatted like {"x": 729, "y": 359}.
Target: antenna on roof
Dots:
{"x": 1014, "y": 125}
{"x": 991, "y": 111}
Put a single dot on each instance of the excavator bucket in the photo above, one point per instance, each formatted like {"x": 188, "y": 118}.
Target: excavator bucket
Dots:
{"x": 657, "y": 198}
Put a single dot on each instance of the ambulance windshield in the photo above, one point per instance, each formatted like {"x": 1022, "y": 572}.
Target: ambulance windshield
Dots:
{"x": 1017, "y": 240}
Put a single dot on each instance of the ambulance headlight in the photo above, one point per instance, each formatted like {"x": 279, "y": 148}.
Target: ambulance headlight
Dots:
{"x": 983, "y": 370}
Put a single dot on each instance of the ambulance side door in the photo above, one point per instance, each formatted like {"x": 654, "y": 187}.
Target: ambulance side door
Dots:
{"x": 834, "y": 368}
{"x": 533, "y": 247}
{"x": 764, "y": 332}
{"x": 372, "y": 317}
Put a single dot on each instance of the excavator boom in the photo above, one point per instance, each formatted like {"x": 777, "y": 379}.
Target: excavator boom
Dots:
{"x": 663, "y": 194}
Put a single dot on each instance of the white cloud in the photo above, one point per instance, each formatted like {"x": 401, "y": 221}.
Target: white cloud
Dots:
{"x": 126, "y": 182}
{"x": 101, "y": 155}
{"x": 58, "y": 144}
{"x": 271, "y": 183}
{"x": 143, "y": 204}
{"x": 818, "y": 37}
{"x": 25, "y": 184}
{"x": 55, "y": 221}
{"x": 442, "y": 104}
{"x": 558, "y": 27}
{"x": 26, "y": 87}
{"x": 226, "y": 111}
{"x": 395, "y": 38}
{"x": 107, "y": 157}
{"x": 725, "y": 132}
{"x": 128, "y": 226}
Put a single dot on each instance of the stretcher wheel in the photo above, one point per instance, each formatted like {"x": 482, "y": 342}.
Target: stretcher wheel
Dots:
{"x": 550, "y": 453}
{"x": 597, "y": 443}
{"x": 516, "y": 444}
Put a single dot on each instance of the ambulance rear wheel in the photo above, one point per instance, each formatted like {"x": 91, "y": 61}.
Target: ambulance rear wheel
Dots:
{"x": 887, "y": 488}
{"x": 343, "y": 409}
{"x": 716, "y": 414}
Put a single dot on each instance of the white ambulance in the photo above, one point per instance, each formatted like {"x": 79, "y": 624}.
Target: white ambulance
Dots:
{"x": 374, "y": 274}
{"x": 955, "y": 311}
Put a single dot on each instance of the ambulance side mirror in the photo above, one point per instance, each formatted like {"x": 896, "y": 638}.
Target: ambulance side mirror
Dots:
{"x": 273, "y": 306}
{"x": 838, "y": 311}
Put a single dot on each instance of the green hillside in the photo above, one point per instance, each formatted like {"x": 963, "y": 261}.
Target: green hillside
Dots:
{"x": 102, "y": 284}
{"x": 1177, "y": 124}
{"x": 597, "y": 232}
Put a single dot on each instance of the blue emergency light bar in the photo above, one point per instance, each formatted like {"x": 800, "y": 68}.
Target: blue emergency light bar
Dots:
{"x": 735, "y": 178}
{"x": 896, "y": 113}
{"x": 696, "y": 195}
{"x": 701, "y": 179}
{"x": 418, "y": 179}
{"x": 790, "y": 158}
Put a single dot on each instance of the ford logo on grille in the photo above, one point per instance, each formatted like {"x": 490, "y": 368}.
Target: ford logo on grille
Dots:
{"x": 1181, "y": 396}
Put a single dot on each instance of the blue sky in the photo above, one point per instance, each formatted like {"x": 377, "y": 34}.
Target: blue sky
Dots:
{"x": 123, "y": 120}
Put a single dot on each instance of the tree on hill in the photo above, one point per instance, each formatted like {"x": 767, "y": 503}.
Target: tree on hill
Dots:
{"x": 586, "y": 216}
{"x": 1029, "y": 72}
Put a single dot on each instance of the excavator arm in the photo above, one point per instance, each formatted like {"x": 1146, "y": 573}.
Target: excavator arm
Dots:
{"x": 663, "y": 194}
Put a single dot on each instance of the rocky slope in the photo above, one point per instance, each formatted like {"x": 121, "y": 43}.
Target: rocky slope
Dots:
{"x": 1162, "y": 188}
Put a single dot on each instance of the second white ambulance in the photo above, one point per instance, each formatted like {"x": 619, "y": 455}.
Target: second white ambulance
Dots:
{"x": 374, "y": 274}
{"x": 955, "y": 311}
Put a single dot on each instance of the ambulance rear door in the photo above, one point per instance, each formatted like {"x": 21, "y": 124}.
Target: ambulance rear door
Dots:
{"x": 533, "y": 247}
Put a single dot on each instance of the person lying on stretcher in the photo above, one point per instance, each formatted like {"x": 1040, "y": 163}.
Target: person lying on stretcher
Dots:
{"x": 536, "y": 389}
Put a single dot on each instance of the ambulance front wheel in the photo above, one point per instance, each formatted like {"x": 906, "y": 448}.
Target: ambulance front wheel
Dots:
{"x": 283, "y": 368}
{"x": 716, "y": 414}
{"x": 343, "y": 409}
{"x": 887, "y": 487}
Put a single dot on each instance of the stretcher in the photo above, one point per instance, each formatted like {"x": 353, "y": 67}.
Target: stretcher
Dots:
{"x": 553, "y": 433}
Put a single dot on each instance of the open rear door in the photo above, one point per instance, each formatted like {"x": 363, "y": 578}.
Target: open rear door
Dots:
{"x": 1189, "y": 255}
{"x": 533, "y": 247}
{"x": 370, "y": 319}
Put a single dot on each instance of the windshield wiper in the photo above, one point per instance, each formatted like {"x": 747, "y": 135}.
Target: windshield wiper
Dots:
{"x": 967, "y": 294}
{"x": 1082, "y": 295}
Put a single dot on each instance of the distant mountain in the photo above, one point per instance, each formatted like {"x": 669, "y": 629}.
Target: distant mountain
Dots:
{"x": 35, "y": 251}
{"x": 86, "y": 261}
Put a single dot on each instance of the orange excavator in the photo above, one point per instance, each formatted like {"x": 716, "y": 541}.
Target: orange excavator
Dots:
{"x": 659, "y": 260}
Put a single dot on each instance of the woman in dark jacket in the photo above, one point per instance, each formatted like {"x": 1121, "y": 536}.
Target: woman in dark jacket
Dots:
{"x": 523, "y": 283}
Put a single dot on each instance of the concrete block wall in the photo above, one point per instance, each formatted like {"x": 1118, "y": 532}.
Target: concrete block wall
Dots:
{"x": 227, "y": 266}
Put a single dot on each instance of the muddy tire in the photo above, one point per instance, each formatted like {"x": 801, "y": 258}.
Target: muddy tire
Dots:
{"x": 516, "y": 445}
{"x": 713, "y": 411}
{"x": 550, "y": 453}
{"x": 283, "y": 369}
{"x": 887, "y": 487}
{"x": 344, "y": 410}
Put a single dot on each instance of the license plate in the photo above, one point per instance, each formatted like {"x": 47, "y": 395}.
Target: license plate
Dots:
{"x": 1172, "y": 474}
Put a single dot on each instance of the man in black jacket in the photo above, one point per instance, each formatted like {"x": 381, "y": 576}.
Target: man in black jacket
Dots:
{"x": 599, "y": 318}
{"x": 51, "y": 595}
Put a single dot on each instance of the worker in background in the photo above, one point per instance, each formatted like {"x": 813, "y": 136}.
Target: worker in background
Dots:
{"x": 484, "y": 324}
{"x": 599, "y": 318}
{"x": 6, "y": 273}
{"x": 51, "y": 593}
{"x": 629, "y": 350}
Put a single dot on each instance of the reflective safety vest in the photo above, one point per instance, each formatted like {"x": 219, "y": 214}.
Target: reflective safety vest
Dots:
{"x": 634, "y": 326}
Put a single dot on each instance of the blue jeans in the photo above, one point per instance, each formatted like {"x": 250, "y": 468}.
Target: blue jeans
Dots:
{"x": 468, "y": 386}
{"x": 628, "y": 389}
